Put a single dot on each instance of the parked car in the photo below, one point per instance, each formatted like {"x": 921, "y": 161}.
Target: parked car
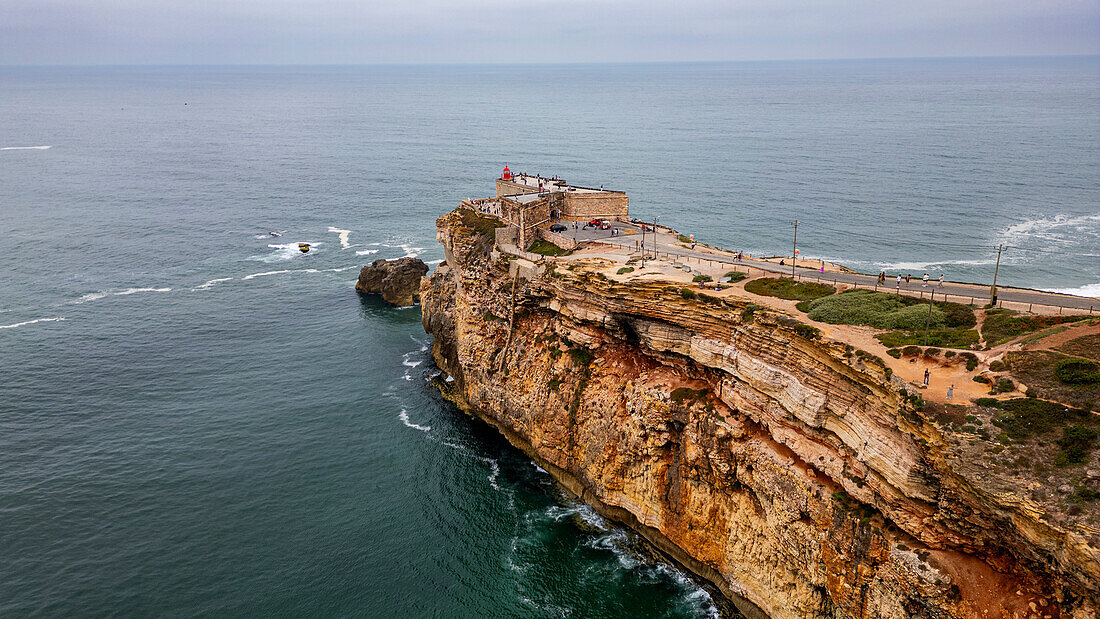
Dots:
{"x": 558, "y": 228}
{"x": 605, "y": 225}
{"x": 595, "y": 222}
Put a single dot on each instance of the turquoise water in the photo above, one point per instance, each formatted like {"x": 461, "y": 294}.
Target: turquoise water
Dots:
{"x": 195, "y": 418}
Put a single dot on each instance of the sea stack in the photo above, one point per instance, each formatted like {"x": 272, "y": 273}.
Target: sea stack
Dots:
{"x": 398, "y": 281}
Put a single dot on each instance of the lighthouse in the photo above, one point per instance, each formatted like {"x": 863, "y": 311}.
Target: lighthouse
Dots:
{"x": 506, "y": 175}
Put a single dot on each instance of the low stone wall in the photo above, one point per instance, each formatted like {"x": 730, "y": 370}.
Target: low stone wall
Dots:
{"x": 562, "y": 241}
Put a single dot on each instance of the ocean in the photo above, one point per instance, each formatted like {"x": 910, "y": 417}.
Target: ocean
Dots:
{"x": 197, "y": 419}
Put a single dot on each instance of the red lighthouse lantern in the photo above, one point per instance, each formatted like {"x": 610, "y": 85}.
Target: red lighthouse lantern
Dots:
{"x": 507, "y": 175}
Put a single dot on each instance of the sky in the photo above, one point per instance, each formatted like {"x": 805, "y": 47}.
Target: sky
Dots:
{"x": 79, "y": 32}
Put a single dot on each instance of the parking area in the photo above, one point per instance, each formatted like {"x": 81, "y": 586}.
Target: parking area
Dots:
{"x": 582, "y": 233}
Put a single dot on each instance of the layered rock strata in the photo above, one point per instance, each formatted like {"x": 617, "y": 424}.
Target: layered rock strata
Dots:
{"x": 795, "y": 479}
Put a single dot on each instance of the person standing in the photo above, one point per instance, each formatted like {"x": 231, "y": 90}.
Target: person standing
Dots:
{"x": 907, "y": 276}
{"x": 927, "y": 375}
{"x": 941, "y": 280}
{"x": 951, "y": 392}
{"x": 899, "y": 282}
{"x": 924, "y": 281}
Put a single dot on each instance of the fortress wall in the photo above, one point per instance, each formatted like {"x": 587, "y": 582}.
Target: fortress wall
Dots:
{"x": 606, "y": 205}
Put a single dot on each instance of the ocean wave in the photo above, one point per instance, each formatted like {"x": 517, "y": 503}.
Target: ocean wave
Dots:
{"x": 922, "y": 266}
{"x": 266, "y": 273}
{"x": 25, "y": 147}
{"x": 404, "y": 417}
{"x": 343, "y": 236}
{"x": 1065, "y": 229}
{"x": 367, "y": 252}
{"x": 1088, "y": 290}
{"x": 211, "y": 283}
{"x": 31, "y": 322}
{"x": 95, "y": 296}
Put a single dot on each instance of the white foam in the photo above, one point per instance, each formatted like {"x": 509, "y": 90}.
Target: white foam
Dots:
{"x": 404, "y": 417}
{"x": 1058, "y": 228}
{"x": 434, "y": 261}
{"x": 211, "y": 283}
{"x": 25, "y": 147}
{"x": 129, "y": 291}
{"x": 494, "y": 472}
{"x": 366, "y": 252}
{"x": 31, "y": 322}
{"x": 928, "y": 266}
{"x": 285, "y": 251}
{"x": 1088, "y": 290}
{"x": 266, "y": 273}
{"x": 95, "y": 296}
{"x": 409, "y": 363}
{"x": 343, "y": 236}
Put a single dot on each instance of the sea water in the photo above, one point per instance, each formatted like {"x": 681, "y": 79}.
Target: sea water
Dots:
{"x": 197, "y": 418}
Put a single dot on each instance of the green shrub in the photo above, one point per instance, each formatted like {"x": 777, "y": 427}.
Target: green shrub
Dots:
{"x": 1085, "y": 494}
{"x": 687, "y": 293}
{"x": 997, "y": 366}
{"x": 545, "y": 248}
{"x": 1003, "y": 385}
{"x": 787, "y": 288}
{"x": 807, "y": 331}
{"x": 1077, "y": 372}
{"x": 581, "y": 356}
{"x": 894, "y": 352}
{"x": 684, "y": 394}
{"x": 702, "y": 278}
{"x": 735, "y": 276}
{"x": 910, "y": 351}
{"x": 1076, "y": 444}
{"x": 1023, "y": 418}
{"x": 948, "y": 338}
{"x": 683, "y": 239}
{"x": 625, "y": 270}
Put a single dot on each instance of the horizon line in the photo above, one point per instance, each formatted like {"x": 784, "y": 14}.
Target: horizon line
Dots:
{"x": 552, "y": 63}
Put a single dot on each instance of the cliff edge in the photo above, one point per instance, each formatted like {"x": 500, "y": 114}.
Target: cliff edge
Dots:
{"x": 795, "y": 477}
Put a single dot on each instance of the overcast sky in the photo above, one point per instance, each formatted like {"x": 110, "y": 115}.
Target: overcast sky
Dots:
{"x": 416, "y": 31}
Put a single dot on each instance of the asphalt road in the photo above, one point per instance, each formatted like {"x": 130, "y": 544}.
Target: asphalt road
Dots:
{"x": 955, "y": 291}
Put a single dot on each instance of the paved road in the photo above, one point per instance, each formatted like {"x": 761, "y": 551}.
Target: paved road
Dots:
{"x": 960, "y": 292}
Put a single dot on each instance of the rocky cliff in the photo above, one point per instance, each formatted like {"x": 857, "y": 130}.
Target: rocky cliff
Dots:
{"x": 398, "y": 281}
{"x": 794, "y": 477}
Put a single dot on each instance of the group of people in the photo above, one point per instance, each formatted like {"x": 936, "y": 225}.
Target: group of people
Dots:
{"x": 908, "y": 277}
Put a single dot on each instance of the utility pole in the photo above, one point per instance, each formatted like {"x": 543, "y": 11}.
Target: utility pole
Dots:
{"x": 655, "y": 218}
{"x": 794, "y": 254}
{"x": 928, "y": 321}
{"x": 993, "y": 288}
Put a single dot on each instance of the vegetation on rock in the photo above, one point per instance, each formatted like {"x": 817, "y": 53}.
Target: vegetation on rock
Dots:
{"x": 1002, "y": 325}
{"x": 787, "y": 288}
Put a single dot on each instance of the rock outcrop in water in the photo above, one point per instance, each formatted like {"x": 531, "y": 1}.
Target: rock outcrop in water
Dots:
{"x": 796, "y": 479}
{"x": 398, "y": 281}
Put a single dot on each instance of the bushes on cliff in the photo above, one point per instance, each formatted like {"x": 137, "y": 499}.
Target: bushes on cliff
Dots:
{"x": 1077, "y": 372}
{"x": 1002, "y": 325}
{"x": 787, "y": 288}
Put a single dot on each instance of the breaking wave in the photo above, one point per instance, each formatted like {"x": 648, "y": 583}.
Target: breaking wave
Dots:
{"x": 343, "y": 236}
{"x": 25, "y": 147}
{"x": 1088, "y": 290}
{"x": 31, "y": 322}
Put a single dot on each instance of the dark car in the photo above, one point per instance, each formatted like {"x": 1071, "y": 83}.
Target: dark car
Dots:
{"x": 558, "y": 228}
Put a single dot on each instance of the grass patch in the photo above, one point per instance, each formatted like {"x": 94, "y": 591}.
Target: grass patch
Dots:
{"x": 1002, "y": 325}
{"x": 687, "y": 293}
{"x": 735, "y": 276}
{"x": 1087, "y": 346}
{"x": 787, "y": 288}
{"x": 683, "y": 239}
{"x": 945, "y": 338}
{"x": 481, "y": 223}
{"x": 545, "y": 248}
{"x": 1076, "y": 443}
{"x": 702, "y": 278}
{"x": 888, "y": 311}
{"x": 625, "y": 270}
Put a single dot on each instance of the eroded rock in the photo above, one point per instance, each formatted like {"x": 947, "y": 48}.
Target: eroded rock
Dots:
{"x": 398, "y": 281}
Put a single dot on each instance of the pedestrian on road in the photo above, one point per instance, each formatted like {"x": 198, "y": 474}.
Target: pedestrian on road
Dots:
{"x": 924, "y": 281}
{"x": 951, "y": 392}
{"x": 907, "y": 276}
{"x": 899, "y": 281}
{"x": 822, "y": 267}
{"x": 941, "y": 280}
{"x": 927, "y": 375}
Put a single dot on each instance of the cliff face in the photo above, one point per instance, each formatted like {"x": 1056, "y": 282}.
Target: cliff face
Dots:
{"x": 795, "y": 479}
